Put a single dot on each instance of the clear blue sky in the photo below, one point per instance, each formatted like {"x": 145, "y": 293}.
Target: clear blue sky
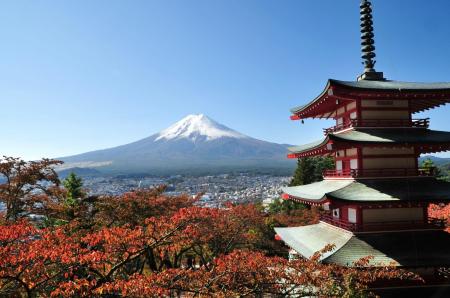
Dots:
{"x": 83, "y": 75}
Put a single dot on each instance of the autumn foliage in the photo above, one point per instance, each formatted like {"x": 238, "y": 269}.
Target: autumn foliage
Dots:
{"x": 147, "y": 244}
{"x": 440, "y": 212}
{"x": 25, "y": 184}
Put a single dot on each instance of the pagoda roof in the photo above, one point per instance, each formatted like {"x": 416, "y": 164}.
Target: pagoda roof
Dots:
{"x": 372, "y": 190}
{"x": 400, "y": 248}
{"x": 423, "y": 96}
{"x": 393, "y": 135}
{"x": 379, "y": 136}
{"x": 392, "y": 85}
{"x": 308, "y": 240}
{"x": 320, "y": 144}
{"x": 317, "y": 191}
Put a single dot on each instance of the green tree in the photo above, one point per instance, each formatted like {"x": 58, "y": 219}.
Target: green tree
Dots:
{"x": 73, "y": 184}
{"x": 310, "y": 169}
{"x": 430, "y": 166}
{"x": 284, "y": 206}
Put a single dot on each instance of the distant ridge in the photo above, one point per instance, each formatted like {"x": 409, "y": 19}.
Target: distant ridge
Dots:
{"x": 436, "y": 160}
{"x": 195, "y": 144}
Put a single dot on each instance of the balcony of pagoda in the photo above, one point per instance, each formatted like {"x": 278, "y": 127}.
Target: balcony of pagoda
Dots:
{"x": 429, "y": 223}
{"x": 379, "y": 123}
{"x": 379, "y": 173}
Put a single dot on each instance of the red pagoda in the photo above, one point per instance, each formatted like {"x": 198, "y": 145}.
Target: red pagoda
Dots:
{"x": 377, "y": 196}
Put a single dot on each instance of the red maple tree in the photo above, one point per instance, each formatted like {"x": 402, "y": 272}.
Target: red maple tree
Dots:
{"x": 440, "y": 212}
{"x": 145, "y": 243}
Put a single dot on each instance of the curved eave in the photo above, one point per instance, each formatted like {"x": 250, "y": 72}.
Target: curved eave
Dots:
{"x": 323, "y": 106}
{"x": 389, "y": 85}
{"x": 393, "y": 190}
{"x": 320, "y": 147}
{"x": 307, "y": 240}
{"x": 424, "y": 139}
{"x": 314, "y": 193}
{"x": 423, "y": 96}
{"x": 417, "y": 107}
{"x": 299, "y": 109}
{"x": 317, "y": 202}
{"x": 372, "y": 191}
{"x": 415, "y": 248}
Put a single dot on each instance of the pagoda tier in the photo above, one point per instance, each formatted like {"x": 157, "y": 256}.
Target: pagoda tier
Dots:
{"x": 423, "y": 140}
{"x": 366, "y": 96}
{"x": 411, "y": 249}
{"x": 372, "y": 191}
{"x": 376, "y": 152}
{"x": 374, "y": 204}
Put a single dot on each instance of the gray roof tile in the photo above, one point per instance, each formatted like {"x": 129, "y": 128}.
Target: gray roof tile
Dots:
{"x": 374, "y": 190}
{"x": 400, "y": 248}
{"x": 402, "y": 136}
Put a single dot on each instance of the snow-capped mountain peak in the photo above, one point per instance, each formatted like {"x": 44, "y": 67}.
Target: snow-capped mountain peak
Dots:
{"x": 195, "y": 144}
{"x": 193, "y": 127}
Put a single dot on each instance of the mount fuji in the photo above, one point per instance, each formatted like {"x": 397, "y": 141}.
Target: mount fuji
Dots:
{"x": 195, "y": 144}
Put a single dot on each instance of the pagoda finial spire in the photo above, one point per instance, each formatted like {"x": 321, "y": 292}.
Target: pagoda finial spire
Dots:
{"x": 367, "y": 43}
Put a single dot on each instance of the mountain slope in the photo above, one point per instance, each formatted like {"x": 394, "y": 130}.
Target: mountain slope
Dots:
{"x": 195, "y": 143}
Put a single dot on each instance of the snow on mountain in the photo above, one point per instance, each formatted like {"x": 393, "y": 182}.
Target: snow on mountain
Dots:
{"x": 195, "y": 126}
{"x": 195, "y": 143}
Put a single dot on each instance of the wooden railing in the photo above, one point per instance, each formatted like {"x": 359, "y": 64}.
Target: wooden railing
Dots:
{"x": 328, "y": 218}
{"x": 379, "y": 173}
{"x": 430, "y": 223}
{"x": 418, "y": 123}
{"x": 337, "y": 128}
